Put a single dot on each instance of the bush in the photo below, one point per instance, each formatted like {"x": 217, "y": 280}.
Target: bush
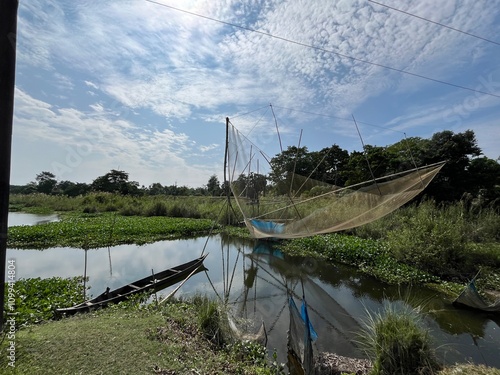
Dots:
{"x": 432, "y": 240}
{"x": 157, "y": 209}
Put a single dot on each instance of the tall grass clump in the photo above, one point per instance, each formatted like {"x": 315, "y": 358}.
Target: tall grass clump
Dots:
{"x": 42, "y": 203}
{"x": 157, "y": 209}
{"x": 396, "y": 343}
{"x": 210, "y": 320}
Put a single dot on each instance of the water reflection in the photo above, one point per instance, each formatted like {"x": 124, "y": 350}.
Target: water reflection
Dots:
{"x": 254, "y": 279}
{"x": 21, "y": 218}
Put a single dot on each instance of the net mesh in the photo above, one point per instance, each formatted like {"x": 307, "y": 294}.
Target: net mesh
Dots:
{"x": 470, "y": 297}
{"x": 296, "y": 206}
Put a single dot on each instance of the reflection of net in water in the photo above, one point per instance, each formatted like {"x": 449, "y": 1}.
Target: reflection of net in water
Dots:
{"x": 333, "y": 323}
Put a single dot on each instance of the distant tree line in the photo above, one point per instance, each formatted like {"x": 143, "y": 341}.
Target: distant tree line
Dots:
{"x": 114, "y": 181}
{"x": 466, "y": 174}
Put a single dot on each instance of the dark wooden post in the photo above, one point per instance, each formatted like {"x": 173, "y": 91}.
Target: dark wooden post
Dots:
{"x": 8, "y": 29}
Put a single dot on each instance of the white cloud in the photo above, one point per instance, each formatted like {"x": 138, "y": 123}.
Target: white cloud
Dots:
{"x": 94, "y": 142}
{"x": 91, "y": 84}
{"x": 209, "y": 147}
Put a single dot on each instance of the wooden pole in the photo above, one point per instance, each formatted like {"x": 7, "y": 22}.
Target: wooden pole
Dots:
{"x": 85, "y": 277}
{"x": 226, "y": 182}
{"x": 8, "y": 29}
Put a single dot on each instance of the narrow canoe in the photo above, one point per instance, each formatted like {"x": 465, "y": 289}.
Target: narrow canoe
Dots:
{"x": 149, "y": 284}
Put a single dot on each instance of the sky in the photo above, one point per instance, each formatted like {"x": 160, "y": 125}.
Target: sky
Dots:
{"x": 145, "y": 87}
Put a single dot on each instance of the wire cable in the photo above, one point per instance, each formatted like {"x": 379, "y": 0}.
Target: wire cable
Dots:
{"x": 436, "y": 23}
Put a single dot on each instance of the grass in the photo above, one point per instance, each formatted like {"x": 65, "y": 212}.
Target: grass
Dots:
{"x": 128, "y": 339}
{"x": 449, "y": 241}
{"x": 177, "y": 338}
{"x": 202, "y": 207}
{"x": 443, "y": 246}
{"x": 397, "y": 344}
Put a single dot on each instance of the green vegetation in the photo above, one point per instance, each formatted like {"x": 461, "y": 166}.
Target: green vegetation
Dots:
{"x": 452, "y": 242}
{"x": 466, "y": 173}
{"x": 469, "y": 369}
{"x": 131, "y": 338}
{"x": 36, "y": 299}
{"x": 370, "y": 256}
{"x": 418, "y": 245}
{"x": 397, "y": 344}
{"x": 99, "y": 230}
{"x": 125, "y": 205}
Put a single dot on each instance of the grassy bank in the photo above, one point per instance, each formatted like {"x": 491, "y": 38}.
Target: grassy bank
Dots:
{"x": 128, "y": 339}
{"x": 427, "y": 244}
{"x": 180, "y": 337}
{"x": 439, "y": 246}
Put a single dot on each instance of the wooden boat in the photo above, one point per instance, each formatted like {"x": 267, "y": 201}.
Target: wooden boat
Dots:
{"x": 149, "y": 284}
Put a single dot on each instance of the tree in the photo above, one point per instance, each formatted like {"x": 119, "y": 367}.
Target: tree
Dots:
{"x": 156, "y": 189}
{"x": 332, "y": 161}
{"x": 292, "y": 160}
{"x": 71, "y": 189}
{"x": 356, "y": 169}
{"x": 46, "y": 181}
{"x": 251, "y": 186}
{"x": 116, "y": 182}
{"x": 213, "y": 186}
{"x": 484, "y": 180}
{"x": 457, "y": 150}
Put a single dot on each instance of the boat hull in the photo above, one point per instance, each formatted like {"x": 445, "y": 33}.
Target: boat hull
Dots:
{"x": 149, "y": 284}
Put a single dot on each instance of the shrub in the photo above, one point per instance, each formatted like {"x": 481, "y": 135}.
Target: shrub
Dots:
{"x": 90, "y": 210}
{"x": 157, "y": 209}
{"x": 130, "y": 210}
{"x": 432, "y": 240}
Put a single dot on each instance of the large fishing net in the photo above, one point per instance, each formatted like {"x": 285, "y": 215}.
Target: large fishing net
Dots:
{"x": 294, "y": 206}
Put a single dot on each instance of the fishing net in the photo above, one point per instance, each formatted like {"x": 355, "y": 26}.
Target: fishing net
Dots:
{"x": 300, "y": 337}
{"x": 294, "y": 206}
{"x": 470, "y": 297}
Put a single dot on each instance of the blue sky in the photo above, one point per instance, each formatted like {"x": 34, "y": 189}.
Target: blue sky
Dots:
{"x": 144, "y": 88}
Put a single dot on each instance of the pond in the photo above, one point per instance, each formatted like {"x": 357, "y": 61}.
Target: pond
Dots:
{"x": 254, "y": 277}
